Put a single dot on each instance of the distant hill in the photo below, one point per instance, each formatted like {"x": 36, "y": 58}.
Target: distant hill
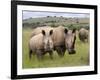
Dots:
{"x": 56, "y": 21}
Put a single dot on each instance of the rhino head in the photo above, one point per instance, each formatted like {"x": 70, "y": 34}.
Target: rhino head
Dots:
{"x": 70, "y": 38}
{"x": 47, "y": 40}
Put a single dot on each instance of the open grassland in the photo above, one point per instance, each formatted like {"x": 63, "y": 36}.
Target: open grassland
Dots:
{"x": 81, "y": 58}
{"x": 56, "y": 21}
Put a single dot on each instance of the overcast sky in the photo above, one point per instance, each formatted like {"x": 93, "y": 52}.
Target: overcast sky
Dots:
{"x": 28, "y": 14}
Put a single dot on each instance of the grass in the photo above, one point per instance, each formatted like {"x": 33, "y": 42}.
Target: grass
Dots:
{"x": 81, "y": 58}
{"x": 56, "y": 21}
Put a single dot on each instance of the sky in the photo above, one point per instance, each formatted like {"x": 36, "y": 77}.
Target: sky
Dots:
{"x": 29, "y": 14}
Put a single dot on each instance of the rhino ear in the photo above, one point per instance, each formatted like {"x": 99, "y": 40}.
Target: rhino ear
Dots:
{"x": 43, "y": 32}
{"x": 74, "y": 30}
{"x": 66, "y": 31}
{"x": 51, "y": 32}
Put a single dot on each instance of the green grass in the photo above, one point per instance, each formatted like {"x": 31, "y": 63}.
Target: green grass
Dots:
{"x": 81, "y": 58}
{"x": 56, "y": 21}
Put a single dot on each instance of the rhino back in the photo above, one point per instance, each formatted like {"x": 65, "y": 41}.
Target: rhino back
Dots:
{"x": 58, "y": 36}
{"x": 39, "y": 30}
{"x": 83, "y": 32}
{"x": 36, "y": 42}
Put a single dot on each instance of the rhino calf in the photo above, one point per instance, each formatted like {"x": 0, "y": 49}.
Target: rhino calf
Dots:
{"x": 41, "y": 44}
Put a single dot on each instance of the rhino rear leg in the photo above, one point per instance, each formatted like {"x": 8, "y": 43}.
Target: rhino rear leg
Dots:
{"x": 59, "y": 51}
{"x": 30, "y": 53}
{"x": 51, "y": 54}
{"x": 63, "y": 51}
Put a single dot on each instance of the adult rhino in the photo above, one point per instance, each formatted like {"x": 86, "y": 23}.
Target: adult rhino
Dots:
{"x": 64, "y": 39}
{"x": 83, "y": 34}
{"x": 41, "y": 44}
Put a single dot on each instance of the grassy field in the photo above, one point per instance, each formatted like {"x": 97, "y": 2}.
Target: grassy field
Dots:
{"x": 81, "y": 58}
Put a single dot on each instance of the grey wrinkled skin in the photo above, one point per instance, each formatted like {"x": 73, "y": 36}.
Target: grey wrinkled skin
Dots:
{"x": 83, "y": 35}
{"x": 41, "y": 44}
